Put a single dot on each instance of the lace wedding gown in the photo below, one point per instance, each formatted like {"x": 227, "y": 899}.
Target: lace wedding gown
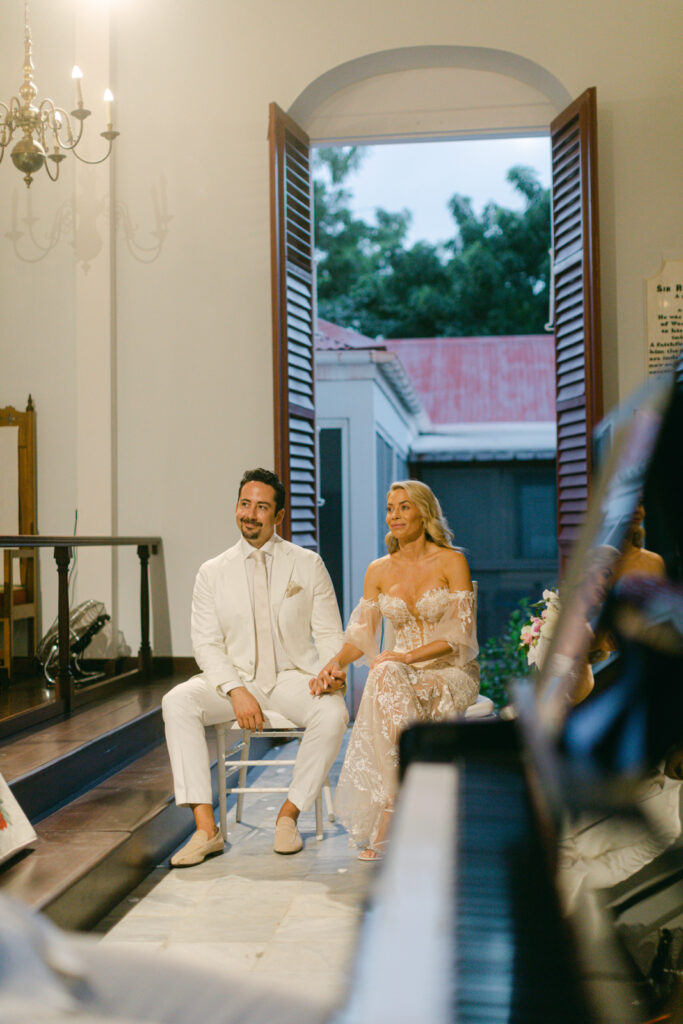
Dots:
{"x": 397, "y": 695}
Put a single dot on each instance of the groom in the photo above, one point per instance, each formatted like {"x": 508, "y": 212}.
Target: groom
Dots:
{"x": 264, "y": 620}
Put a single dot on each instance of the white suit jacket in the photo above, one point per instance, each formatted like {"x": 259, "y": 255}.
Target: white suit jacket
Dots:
{"x": 305, "y": 614}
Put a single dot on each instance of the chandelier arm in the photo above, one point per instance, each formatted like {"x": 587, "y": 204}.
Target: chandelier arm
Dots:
{"x": 46, "y": 165}
{"x": 69, "y": 143}
{"x": 43, "y": 124}
{"x": 93, "y": 162}
{"x": 40, "y": 131}
{"x": 9, "y": 124}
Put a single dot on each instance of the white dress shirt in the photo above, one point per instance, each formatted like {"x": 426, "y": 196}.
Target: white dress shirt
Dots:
{"x": 282, "y": 662}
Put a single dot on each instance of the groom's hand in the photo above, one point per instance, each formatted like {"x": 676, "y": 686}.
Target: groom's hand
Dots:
{"x": 247, "y": 709}
{"x": 330, "y": 679}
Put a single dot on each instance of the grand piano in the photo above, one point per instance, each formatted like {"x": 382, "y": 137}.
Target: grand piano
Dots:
{"x": 535, "y": 872}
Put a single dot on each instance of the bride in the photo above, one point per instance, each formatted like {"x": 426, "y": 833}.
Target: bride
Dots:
{"x": 423, "y": 591}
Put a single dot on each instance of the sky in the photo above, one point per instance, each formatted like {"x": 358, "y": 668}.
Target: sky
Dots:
{"x": 423, "y": 176}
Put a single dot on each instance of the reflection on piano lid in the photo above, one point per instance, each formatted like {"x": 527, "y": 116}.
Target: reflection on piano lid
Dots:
{"x": 599, "y": 547}
{"x": 468, "y": 924}
{"x": 607, "y": 768}
{"x": 636, "y": 711}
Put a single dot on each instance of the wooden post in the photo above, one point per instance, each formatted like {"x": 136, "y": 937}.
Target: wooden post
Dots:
{"x": 65, "y": 681}
{"x": 145, "y": 652}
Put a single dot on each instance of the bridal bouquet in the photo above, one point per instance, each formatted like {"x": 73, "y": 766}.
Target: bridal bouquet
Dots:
{"x": 536, "y": 634}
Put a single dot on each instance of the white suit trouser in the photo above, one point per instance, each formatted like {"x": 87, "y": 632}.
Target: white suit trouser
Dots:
{"x": 189, "y": 707}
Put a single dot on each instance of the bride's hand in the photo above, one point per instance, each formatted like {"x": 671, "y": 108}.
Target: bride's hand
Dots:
{"x": 400, "y": 656}
{"x": 330, "y": 679}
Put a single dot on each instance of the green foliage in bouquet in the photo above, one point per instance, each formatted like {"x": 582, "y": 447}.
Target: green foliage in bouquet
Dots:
{"x": 502, "y": 659}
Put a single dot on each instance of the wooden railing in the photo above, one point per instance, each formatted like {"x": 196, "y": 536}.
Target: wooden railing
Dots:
{"x": 63, "y": 552}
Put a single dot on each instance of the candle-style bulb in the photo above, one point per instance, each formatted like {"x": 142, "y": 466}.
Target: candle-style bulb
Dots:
{"x": 108, "y": 100}
{"x": 77, "y": 75}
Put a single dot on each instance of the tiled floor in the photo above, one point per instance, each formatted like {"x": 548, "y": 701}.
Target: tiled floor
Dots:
{"x": 291, "y": 919}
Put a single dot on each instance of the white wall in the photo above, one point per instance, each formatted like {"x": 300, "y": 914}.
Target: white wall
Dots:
{"x": 188, "y": 333}
{"x": 37, "y": 287}
{"x": 351, "y": 390}
{"x": 352, "y": 394}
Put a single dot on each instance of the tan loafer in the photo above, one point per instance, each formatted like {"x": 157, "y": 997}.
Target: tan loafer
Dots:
{"x": 198, "y": 849}
{"x": 287, "y": 837}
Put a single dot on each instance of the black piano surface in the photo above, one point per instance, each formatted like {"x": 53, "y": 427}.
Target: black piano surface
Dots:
{"x": 512, "y": 959}
{"x": 535, "y": 870}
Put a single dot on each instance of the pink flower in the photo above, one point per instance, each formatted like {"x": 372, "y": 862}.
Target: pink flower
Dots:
{"x": 525, "y": 637}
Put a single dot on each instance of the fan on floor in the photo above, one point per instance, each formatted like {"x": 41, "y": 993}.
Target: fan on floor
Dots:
{"x": 85, "y": 622}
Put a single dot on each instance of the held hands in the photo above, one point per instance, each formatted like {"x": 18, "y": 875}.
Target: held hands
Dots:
{"x": 247, "y": 709}
{"x": 328, "y": 680}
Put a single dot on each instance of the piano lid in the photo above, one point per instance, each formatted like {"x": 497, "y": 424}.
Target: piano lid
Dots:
{"x": 610, "y": 767}
{"x": 594, "y": 566}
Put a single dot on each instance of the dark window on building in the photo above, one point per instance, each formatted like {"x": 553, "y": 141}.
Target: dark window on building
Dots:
{"x": 537, "y": 519}
{"x": 503, "y": 515}
{"x": 330, "y": 524}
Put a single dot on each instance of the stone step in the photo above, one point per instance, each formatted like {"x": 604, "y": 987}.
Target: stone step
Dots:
{"x": 102, "y": 807}
{"x": 54, "y": 762}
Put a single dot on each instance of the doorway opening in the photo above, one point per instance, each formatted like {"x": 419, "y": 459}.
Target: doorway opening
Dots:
{"x": 432, "y": 355}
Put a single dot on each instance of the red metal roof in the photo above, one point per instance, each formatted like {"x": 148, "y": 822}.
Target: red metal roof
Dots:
{"x": 331, "y": 336}
{"x": 508, "y": 379}
{"x": 505, "y": 379}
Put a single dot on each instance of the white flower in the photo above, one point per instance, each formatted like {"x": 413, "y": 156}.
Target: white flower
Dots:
{"x": 537, "y": 633}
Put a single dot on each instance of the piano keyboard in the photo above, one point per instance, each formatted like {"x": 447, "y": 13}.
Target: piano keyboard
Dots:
{"x": 464, "y": 926}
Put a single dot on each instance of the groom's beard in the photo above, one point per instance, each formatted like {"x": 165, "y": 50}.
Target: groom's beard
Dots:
{"x": 250, "y": 529}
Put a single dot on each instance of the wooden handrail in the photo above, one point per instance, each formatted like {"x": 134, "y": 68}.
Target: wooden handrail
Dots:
{"x": 62, "y": 552}
{"x": 41, "y": 540}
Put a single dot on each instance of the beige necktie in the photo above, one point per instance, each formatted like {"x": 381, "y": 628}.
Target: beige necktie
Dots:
{"x": 265, "y": 656}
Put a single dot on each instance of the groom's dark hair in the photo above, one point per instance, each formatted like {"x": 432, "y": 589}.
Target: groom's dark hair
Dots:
{"x": 265, "y": 476}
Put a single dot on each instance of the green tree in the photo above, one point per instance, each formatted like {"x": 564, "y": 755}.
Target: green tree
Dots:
{"x": 502, "y": 660}
{"x": 500, "y": 267}
{"x": 490, "y": 278}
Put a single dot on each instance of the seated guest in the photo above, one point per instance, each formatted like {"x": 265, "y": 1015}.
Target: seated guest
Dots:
{"x": 428, "y": 671}
{"x": 264, "y": 618}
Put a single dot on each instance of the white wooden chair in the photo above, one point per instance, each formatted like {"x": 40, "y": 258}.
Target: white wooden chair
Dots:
{"x": 228, "y": 763}
{"x": 483, "y": 708}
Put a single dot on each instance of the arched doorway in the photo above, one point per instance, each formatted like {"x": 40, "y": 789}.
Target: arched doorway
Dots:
{"x": 426, "y": 93}
{"x": 422, "y": 92}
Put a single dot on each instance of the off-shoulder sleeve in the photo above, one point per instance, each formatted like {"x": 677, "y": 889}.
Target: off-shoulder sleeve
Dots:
{"x": 458, "y": 626}
{"x": 363, "y": 629}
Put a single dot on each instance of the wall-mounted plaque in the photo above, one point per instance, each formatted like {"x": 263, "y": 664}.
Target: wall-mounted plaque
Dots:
{"x": 664, "y": 317}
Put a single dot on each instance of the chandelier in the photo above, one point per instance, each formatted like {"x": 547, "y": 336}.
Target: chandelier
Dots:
{"x": 48, "y": 132}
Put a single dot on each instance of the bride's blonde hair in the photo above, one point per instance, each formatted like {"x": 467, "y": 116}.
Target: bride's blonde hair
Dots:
{"x": 427, "y": 504}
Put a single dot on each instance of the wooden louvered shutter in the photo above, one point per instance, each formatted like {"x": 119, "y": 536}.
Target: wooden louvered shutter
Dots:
{"x": 293, "y": 283}
{"x": 576, "y": 273}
